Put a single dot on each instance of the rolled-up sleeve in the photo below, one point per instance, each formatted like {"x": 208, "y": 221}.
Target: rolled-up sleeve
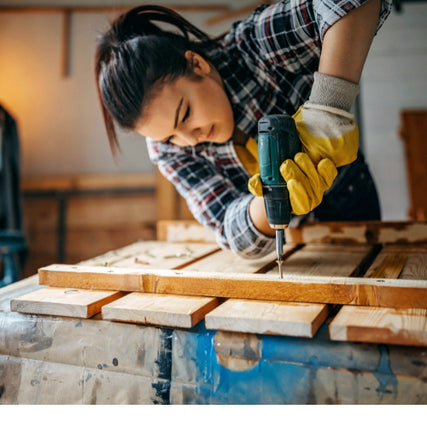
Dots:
{"x": 212, "y": 198}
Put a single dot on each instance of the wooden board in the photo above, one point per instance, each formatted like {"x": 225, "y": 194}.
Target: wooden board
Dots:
{"x": 335, "y": 290}
{"x": 262, "y": 317}
{"x": 412, "y": 261}
{"x": 368, "y": 232}
{"x": 163, "y": 310}
{"x": 228, "y": 262}
{"x": 386, "y": 325}
{"x": 380, "y": 325}
{"x": 349, "y": 233}
{"x": 325, "y": 260}
{"x": 413, "y": 133}
{"x": 154, "y": 254}
{"x": 64, "y": 302}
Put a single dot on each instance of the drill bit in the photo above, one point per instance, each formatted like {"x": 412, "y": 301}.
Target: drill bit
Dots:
{"x": 279, "y": 249}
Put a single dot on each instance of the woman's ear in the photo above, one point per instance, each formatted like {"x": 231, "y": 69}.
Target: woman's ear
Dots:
{"x": 199, "y": 65}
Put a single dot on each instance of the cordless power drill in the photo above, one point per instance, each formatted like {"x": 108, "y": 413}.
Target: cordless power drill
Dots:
{"x": 277, "y": 141}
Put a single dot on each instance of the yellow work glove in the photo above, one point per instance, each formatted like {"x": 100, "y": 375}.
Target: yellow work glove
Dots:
{"x": 306, "y": 182}
{"x": 329, "y": 138}
{"x": 326, "y": 127}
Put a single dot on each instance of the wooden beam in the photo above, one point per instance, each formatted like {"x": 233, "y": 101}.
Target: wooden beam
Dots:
{"x": 66, "y": 43}
{"x": 334, "y": 290}
{"x": 117, "y": 8}
{"x": 235, "y": 13}
{"x": 88, "y": 182}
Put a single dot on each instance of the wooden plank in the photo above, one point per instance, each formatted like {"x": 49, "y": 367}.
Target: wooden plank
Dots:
{"x": 353, "y": 232}
{"x": 154, "y": 254}
{"x": 294, "y": 319}
{"x": 228, "y": 262}
{"x": 413, "y": 133}
{"x": 236, "y": 13}
{"x": 183, "y": 231}
{"x": 405, "y": 326}
{"x": 390, "y": 267}
{"x": 335, "y": 290}
{"x": 368, "y": 232}
{"x": 411, "y": 259}
{"x": 89, "y": 182}
{"x": 325, "y": 260}
{"x": 268, "y": 317}
{"x": 103, "y": 9}
{"x": 380, "y": 325}
{"x": 163, "y": 310}
{"x": 64, "y": 302}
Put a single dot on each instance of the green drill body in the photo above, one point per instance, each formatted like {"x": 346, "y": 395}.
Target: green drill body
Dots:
{"x": 277, "y": 141}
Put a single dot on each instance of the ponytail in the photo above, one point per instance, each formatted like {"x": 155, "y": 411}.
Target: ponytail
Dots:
{"x": 135, "y": 57}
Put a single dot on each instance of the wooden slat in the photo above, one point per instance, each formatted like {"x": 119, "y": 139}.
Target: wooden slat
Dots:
{"x": 228, "y": 262}
{"x": 370, "y": 232}
{"x": 154, "y": 254}
{"x": 380, "y": 325}
{"x": 412, "y": 261}
{"x": 413, "y": 133}
{"x": 390, "y": 266}
{"x": 183, "y": 231}
{"x": 325, "y": 260}
{"x": 294, "y": 319}
{"x": 334, "y": 290}
{"x": 236, "y": 13}
{"x": 163, "y": 310}
{"x": 262, "y": 317}
{"x": 179, "y": 311}
{"x": 64, "y": 302}
{"x": 405, "y": 326}
{"x": 88, "y": 182}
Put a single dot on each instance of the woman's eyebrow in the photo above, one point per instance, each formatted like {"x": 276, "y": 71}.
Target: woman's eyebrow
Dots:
{"x": 176, "y": 119}
{"x": 177, "y": 113}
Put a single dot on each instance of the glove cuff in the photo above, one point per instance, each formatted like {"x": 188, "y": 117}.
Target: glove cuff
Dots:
{"x": 333, "y": 92}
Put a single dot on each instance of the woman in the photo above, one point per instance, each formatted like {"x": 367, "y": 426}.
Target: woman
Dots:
{"x": 198, "y": 101}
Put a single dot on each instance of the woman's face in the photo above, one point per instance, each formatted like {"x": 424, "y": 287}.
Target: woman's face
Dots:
{"x": 189, "y": 111}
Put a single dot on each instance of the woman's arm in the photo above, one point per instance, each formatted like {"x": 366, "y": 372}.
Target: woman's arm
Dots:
{"x": 344, "y": 50}
{"x": 346, "y": 44}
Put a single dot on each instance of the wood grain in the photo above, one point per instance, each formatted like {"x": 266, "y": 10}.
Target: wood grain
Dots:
{"x": 334, "y": 290}
{"x": 228, "y": 262}
{"x": 367, "y": 232}
{"x": 409, "y": 261}
{"x": 64, "y": 302}
{"x": 404, "y": 326}
{"x": 325, "y": 260}
{"x": 163, "y": 310}
{"x": 154, "y": 254}
{"x": 262, "y": 317}
{"x": 380, "y": 325}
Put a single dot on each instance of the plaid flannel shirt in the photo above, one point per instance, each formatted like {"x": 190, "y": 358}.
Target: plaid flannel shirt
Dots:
{"x": 267, "y": 63}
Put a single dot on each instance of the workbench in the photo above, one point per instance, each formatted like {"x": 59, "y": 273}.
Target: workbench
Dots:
{"x": 102, "y": 352}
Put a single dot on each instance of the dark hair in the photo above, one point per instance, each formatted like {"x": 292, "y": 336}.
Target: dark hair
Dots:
{"x": 135, "y": 57}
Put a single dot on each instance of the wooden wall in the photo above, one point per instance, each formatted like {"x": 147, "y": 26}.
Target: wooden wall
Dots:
{"x": 72, "y": 218}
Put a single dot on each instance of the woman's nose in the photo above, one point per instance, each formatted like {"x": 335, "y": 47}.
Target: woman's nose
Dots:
{"x": 193, "y": 136}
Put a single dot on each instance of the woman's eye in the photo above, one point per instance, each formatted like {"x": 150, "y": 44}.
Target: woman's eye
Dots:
{"x": 187, "y": 113}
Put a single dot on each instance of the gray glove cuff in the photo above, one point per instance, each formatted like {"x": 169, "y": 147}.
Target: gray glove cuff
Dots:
{"x": 333, "y": 92}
